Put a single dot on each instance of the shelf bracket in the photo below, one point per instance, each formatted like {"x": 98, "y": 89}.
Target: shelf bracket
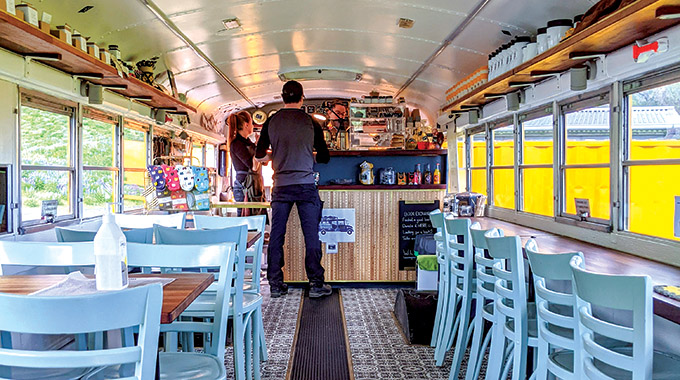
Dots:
{"x": 540, "y": 74}
{"x": 30, "y": 57}
{"x": 494, "y": 96}
{"x": 143, "y": 98}
{"x": 668, "y": 12}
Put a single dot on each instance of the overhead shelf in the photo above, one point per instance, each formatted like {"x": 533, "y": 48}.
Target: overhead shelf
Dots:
{"x": 619, "y": 29}
{"x": 23, "y": 38}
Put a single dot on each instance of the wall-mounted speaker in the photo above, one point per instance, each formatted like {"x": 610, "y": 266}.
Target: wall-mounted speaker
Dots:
{"x": 159, "y": 116}
{"x": 512, "y": 100}
{"x": 95, "y": 93}
{"x": 473, "y": 116}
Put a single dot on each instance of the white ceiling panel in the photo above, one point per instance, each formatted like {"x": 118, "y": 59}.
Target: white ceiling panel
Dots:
{"x": 281, "y": 35}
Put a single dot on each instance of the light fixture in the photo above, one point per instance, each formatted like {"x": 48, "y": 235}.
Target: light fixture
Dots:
{"x": 183, "y": 135}
{"x": 405, "y": 23}
{"x": 512, "y": 101}
{"x": 319, "y": 117}
{"x": 320, "y": 73}
{"x": 231, "y": 23}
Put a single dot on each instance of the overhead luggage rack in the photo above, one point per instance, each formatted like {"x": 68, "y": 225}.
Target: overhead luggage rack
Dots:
{"x": 23, "y": 38}
{"x": 619, "y": 29}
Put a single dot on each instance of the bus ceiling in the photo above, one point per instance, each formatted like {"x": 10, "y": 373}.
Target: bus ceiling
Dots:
{"x": 236, "y": 53}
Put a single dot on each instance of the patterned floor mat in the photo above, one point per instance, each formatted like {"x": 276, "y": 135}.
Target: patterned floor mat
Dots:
{"x": 378, "y": 348}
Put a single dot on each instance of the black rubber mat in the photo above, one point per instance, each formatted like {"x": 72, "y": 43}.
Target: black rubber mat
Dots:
{"x": 321, "y": 349}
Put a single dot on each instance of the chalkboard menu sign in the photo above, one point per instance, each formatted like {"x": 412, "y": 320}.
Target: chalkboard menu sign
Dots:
{"x": 414, "y": 219}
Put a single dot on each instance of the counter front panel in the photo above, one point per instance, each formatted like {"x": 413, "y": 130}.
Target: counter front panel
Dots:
{"x": 374, "y": 256}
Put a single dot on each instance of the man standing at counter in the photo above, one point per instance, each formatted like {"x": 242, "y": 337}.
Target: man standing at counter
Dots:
{"x": 293, "y": 136}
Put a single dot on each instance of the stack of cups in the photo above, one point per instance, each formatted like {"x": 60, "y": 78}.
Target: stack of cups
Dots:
{"x": 556, "y": 30}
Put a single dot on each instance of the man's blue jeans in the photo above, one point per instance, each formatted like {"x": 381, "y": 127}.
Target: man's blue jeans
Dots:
{"x": 309, "y": 205}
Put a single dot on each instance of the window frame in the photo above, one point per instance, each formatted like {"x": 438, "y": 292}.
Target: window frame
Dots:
{"x": 491, "y": 127}
{"x": 630, "y": 87}
{"x": 481, "y": 129}
{"x": 148, "y": 131}
{"x": 45, "y": 103}
{"x": 571, "y": 105}
{"x": 536, "y": 113}
{"x": 115, "y": 121}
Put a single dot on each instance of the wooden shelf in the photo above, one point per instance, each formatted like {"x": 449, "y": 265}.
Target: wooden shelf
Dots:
{"x": 387, "y": 152}
{"x": 634, "y": 22}
{"x": 383, "y": 187}
{"x": 23, "y": 38}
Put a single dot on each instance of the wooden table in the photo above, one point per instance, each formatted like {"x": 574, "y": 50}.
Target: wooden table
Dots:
{"x": 253, "y": 236}
{"x": 601, "y": 259}
{"x": 177, "y": 295}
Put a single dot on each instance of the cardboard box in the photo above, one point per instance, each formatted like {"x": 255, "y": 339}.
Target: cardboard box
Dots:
{"x": 93, "y": 49}
{"x": 62, "y": 34}
{"x": 79, "y": 41}
{"x": 45, "y": 27}
{"x": 105, "y": 56}
{"x": 30, "y": 14}
{"x": 8, "y": 6}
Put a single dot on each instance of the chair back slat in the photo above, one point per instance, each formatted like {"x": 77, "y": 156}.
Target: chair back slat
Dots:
{"x": 618, "y": 292}
{"x": 137, "y": 307}
{"x": 256, "y": 223}
{"x": 510, "y": 284}
{"x": 46, "y": 254}
{"x": 132, "y": 235}
{"x": 148, "y": 221}
{"x": 209, "y": 256}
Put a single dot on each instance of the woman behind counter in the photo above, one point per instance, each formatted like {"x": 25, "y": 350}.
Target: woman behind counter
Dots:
{"x": 242, "y": 151}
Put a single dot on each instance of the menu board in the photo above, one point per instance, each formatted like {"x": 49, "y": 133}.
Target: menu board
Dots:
{"x": 414, "y": 219}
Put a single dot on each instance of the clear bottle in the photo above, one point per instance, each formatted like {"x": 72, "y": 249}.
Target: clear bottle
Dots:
{"x": 437, "y": 177}
{"x": 110, "y": 252}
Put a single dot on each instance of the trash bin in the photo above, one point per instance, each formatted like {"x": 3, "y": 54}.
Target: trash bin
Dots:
{"x": 415, "y": 312}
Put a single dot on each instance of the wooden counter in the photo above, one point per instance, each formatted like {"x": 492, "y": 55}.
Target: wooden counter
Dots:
{"x": 374, "y": 256}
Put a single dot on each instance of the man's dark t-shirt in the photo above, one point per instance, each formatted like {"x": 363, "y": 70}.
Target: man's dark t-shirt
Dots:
{"x": 292, "y": 135}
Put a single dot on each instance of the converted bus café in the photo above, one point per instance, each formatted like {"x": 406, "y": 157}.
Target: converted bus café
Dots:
{"x": 500, "y": 200}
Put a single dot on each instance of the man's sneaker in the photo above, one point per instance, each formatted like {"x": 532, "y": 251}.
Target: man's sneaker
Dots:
{"x": 320, "y": 291}
{"x": 278, "y": 291}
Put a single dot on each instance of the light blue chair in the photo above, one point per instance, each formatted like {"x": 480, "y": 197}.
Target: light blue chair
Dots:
{"x": 192, "y": 365}
{"x": 139, "y": 307}
{"x": 132, "y": 235}
{"x": 620, "y": 293}
{"x": 177, "y": 220}
{"x": 437, "y": 220}
{"x": 555, "y": 305}
{"x": 515, "y": 323}
{"x": 484, "y": 300}
{"x": 61, "y": 256}
{"x": 254, "y": 223}
{"x": 461, "y": 259}
{"x": 243, "y": 304}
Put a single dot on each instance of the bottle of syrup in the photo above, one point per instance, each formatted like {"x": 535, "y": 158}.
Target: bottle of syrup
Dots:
{"x": 437, "y": 177}
{"x": 427, "y": 176}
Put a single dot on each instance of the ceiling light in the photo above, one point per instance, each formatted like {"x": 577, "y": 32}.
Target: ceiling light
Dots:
{"x": 317, "y": 73}
{"x": 319, "y": 117}
{"x": 405, "y": 23}
{"x": 232, "y": 23}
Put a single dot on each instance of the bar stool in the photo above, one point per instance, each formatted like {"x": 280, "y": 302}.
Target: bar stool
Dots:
{"x": 515, "y": 319}
{"x": 554, "y": 312}
{"x": 443, "y": 289}
{"x": 462, "y": 271}
{"x": 484, "y": 298}
{"x": 631, "y": 293}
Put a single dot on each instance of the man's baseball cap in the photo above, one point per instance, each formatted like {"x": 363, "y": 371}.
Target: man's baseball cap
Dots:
{"x": 292, "y": 89}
